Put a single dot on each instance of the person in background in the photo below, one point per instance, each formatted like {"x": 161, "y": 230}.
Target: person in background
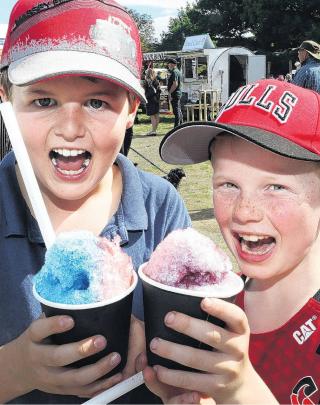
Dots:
{"x": 152, "y": 92}
{"x": 127, "y": 141}
{"x": 308, "y": 75}
{"x": 174, "y": 91}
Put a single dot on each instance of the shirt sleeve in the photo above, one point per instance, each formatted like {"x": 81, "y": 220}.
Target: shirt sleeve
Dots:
{"x": 299, "y": 77}
{"x": 173, "y": 213}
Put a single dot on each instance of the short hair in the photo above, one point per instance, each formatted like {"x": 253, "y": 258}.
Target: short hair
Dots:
{"x": 5, "y": 83}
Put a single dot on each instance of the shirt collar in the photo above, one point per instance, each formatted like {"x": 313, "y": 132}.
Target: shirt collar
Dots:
{"x": 133, "y": 208}
{"x": 130, "y": 216}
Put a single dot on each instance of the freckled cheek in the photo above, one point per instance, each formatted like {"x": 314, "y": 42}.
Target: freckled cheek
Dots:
{"x": 288, "y": 216}
{"x": 223, "y": 207}
{"x": 279, "y": 209}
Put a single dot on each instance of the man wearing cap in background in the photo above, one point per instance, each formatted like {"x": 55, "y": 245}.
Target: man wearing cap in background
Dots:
{"x": 174, "y": 91}
{"x": 308, "y": 75}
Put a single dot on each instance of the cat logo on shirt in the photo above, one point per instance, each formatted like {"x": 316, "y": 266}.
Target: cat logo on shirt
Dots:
{"x": 302, "y": 392}
{"x": 305, "y": 330}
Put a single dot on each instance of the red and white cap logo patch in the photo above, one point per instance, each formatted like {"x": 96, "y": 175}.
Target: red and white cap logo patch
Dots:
{"x": 92, "y": 37}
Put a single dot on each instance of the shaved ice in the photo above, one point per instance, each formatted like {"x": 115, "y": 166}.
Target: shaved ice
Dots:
{"x": 187, "y": 259}
{"x": 81, "y": 268}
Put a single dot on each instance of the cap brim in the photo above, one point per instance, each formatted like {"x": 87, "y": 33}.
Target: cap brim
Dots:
{"x": 189, "y": 143}
{"x": 49, "y": 64}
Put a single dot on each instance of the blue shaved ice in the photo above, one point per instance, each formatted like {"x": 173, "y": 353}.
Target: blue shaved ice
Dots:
{"x": 81, "y": 268}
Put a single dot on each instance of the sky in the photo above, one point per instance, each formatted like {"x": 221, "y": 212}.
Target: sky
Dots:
{"x": 160, "y": 10}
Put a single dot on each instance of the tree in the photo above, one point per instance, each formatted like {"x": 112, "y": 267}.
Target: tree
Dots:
{"x": 281, "y": 24}
{"x": 272, "y": 25}
{"x": 146, "y": 30}
{"x": 179, "y": 28}
{"x": 221, "y": 19}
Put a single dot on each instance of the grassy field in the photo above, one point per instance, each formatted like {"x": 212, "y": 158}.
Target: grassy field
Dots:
{"x": 195, "y": 188}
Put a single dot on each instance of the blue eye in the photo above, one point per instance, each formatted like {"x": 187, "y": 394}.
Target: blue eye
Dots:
{"x": 96, "y": 104}
{"x": 44, "y": 102}
{"x": 276, "y": 187}
{"x": 228, "y": 185}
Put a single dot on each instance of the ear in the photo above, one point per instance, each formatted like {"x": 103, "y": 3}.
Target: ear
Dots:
{"x": 133, "y": 108}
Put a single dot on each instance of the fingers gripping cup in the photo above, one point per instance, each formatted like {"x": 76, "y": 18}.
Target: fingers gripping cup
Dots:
{"x": 185, "y": 268}
{"x": 92, "y": 280}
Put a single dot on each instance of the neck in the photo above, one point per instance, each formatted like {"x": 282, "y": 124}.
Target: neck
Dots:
{"x": 91, "y": 212}
{"x": 271, "y": 303}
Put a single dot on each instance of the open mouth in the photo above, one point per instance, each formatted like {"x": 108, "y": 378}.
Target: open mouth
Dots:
{"x": 70, "y": 162}
{"x": 256, "y": 244}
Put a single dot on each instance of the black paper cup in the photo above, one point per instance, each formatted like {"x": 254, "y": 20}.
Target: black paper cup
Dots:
{"x": 159, "y": 299}
{"x": 110, "y": 318}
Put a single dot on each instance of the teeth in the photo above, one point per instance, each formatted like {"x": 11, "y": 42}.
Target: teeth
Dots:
{"x": 69, "y": 152}
{"x": 86, "y": 163}
{"x": 252, "y": 238}
{"x": 71, "y": 172}
{"x": 262, "y": 251}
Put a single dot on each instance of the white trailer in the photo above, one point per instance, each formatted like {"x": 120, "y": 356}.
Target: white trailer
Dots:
{"x": 211, "y": 73}
{"x": 219, "y": 69}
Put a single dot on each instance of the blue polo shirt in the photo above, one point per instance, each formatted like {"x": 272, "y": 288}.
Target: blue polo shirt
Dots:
{"x": 150, "y": 208}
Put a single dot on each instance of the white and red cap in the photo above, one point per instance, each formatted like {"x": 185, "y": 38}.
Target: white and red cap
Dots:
{"x": 273, "y": 114}
{"x": 72, "y": 37}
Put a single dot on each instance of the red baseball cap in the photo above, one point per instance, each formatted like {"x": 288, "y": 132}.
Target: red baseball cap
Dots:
{"x": 276, "y": 115}
{"x": 82, "y": 37}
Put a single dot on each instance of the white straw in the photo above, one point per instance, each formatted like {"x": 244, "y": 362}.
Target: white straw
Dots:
{"x": 27, "y": 173}
{"x": 117, "y": 390}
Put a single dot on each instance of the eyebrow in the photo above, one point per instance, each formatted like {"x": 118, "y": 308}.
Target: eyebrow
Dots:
{"x": 38, "y": 92}
{"x": 47, "y": 93}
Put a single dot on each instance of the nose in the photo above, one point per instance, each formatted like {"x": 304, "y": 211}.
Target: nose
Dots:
{"x": 247, "y": 210}
{"x": 70, "y": 122}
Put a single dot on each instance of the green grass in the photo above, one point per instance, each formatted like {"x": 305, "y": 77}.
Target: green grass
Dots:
{"x": 195, "y": 188}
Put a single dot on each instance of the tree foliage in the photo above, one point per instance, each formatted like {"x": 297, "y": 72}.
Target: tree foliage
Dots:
{"x": 179, "y": 28}
{"x": 271, "y": 27}
{"x": 265, "y": 25}
{"x": 146, "y": 30}
{"x": 282, "y": 24}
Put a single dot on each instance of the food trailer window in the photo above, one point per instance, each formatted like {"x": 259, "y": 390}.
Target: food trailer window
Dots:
{"x": 190, "y": 68}
{"x": 196, "y": 68}
{"x": 202, "y": 68}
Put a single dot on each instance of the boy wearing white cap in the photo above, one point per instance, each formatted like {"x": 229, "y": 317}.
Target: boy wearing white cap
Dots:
{"x": 265, "y": 152}
{"x": 71, "y": 69}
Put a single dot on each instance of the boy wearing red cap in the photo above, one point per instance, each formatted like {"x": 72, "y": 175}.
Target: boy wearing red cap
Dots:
{"x": 265, "y": 152}
{"x": 71, "y": 69}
